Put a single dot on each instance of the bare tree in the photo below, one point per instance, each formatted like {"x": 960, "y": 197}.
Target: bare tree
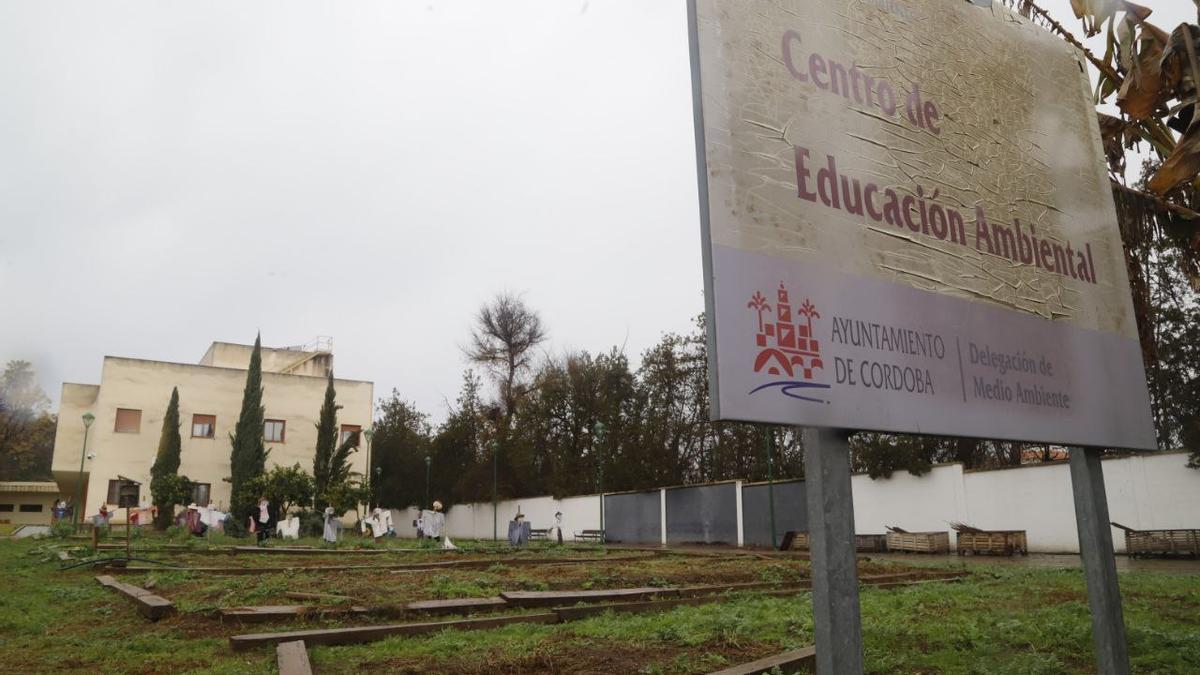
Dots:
{"x": 502, "y": 342}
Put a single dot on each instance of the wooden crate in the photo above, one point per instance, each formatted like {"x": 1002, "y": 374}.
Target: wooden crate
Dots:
{"x": 863, "y": 543}
{"x": 871, "y": 543}
{"x": 919, "y": 542}
{"x": 993, "y": 542}
{"x": 799, "y": 541}
{"x": 1141, "y": 543}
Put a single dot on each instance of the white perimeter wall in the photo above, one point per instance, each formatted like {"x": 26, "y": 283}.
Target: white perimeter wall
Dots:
{"x": 915, "y": 503}
{"x": 1145, "y": 492}
{"x": 1150, "y": 491}
{"x": 474, "y": 521}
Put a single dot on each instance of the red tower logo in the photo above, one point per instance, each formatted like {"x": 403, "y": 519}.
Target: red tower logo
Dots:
{"x": 786, "y": 347}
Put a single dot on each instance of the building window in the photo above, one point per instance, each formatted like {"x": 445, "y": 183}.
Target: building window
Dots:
{"x": 200, "y": 492}
{"x": 204, "y": 426}
{"x": 114, "y": 492}
{"x": 129, "y": 421}
{"x": 273, "y": 431}
{"x": 349, "y": 430}
{"x": 31, "y": 508}
{"x": 6, "y": 508}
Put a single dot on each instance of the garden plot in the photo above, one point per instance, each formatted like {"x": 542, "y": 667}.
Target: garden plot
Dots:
{"x": 330, "y": 597}
{"x": 615, "y": 610}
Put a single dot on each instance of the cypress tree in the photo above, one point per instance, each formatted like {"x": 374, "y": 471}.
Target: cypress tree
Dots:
{"x": 164, "y": 487}
{"x": 326, "y": 449}
{"x": 248, "y": 458}
{"x": 330, "y": 461}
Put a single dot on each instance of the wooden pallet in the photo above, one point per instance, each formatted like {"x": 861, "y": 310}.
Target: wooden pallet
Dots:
{"x": 992, "y": 542}
{"x": 1151, "y": 543}
{"x": 870, "y": 543}
{"x": 863, "y": 543}
{"x": 919, "y": 542}
{"x": 794, "y": 541}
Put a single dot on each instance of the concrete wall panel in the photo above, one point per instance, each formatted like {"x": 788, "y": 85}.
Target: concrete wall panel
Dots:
{"x": 702, "y": 514}
{"x": 791, "y": 511}
{"x": 633, "y": 518}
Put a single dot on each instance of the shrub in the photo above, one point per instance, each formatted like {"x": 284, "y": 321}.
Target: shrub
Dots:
{"x": 62, "y": 529}
{"x": 312, "y": 523}
{"x": 284, "y": 486}
{"x": 235, "y": 527}
{"x": 346, "y": 495}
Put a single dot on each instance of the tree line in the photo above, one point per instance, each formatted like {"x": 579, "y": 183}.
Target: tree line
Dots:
{"x": 534, "y": 430}
{"x": 27, "y": 426}
{"x": 526, "y": 423}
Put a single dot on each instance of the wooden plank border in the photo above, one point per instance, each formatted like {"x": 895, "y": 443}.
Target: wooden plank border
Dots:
{"x": 397, "y": 567}
{"x": 456, "y": 606}
{"x": 560, "y": 614}
{"x": 803, "y": 660}
{"x": 327, "y": 597}
{"x": 692, "y": 599}
{"x": 149, "y": 605}
{"x": 293, "y": 658}
{"x": 551, "y": 598}
{"x": 265, "y": 613}
{"x": 344, "y": 636}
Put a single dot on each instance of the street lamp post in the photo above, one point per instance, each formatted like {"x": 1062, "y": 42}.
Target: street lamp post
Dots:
{"x": 369, "y": 434}
{"x": 495, "y": 522}
{"x": 88, "y": 418}
{"x": 427, "y": 463}
{"x": 600, "y": 430}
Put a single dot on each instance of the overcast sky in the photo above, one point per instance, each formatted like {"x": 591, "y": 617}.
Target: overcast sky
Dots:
{"x": 174, "y": 173}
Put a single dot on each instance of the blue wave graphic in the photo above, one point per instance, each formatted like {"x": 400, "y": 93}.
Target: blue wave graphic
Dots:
{"x": 787, "y": 387}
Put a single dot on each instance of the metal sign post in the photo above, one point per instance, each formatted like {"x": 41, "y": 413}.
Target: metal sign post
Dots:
{"x": 837, "y": 623}
{"x": 1099, "y": 567}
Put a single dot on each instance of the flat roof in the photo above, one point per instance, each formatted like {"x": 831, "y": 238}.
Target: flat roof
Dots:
{"x": 28, "y": 486}
{"x": 236, "y": 370}
{"x": 293, "y": 348}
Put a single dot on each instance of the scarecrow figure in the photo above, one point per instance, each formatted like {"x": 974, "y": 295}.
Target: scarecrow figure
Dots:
{"x": 332, "y": 526}
{"x": 518, "y": 530}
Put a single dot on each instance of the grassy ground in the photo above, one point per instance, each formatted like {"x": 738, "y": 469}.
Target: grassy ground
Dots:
{"x": 999, "y": 620}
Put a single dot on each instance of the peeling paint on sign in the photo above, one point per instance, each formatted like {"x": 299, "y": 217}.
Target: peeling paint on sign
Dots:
{"x": 925, "y": 144}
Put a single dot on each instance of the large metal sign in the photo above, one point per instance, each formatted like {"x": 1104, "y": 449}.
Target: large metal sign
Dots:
{"x": 908, "y": 226}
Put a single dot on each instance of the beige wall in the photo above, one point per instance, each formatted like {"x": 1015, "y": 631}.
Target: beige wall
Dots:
{"x": 16, "y": 499}
{"x": 77, "y": 399}
{"x": 146, "y": 386}
{"x": 295, "y": 361}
